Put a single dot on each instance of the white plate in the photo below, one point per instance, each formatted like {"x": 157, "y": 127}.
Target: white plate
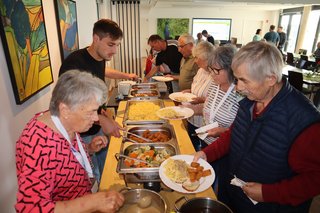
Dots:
{"x": 205, "y": 182}
{"x": 162, "y": 78}
{"x": 176, "y": 95}
{"x": 182, "y": 112}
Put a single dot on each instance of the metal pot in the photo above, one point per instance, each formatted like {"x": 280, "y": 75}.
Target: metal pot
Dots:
{"x": 201, "y": 204}
{"x": 133, "y": 196}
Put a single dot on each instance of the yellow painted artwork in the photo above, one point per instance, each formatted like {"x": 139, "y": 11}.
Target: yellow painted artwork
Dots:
{"x": 25, "y": 43}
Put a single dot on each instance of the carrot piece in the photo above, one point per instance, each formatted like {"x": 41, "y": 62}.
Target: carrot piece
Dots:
{"x": 150, "y": 153}
{"x": 142, "y": 164}
{"x": 128, "y": 163}
{"x": 133, "y": 155}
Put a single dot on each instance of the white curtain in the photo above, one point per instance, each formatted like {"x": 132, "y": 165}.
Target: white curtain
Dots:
{"x": 127, "y": 15}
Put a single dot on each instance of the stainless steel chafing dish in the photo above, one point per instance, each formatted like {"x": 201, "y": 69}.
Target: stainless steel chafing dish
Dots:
{"x": 142, "y": 175}
{"x": 129, "y": 121}
{"x": 165, "y": 129}
{"x": 144, "y": 86}
{"x": 144, "y": 93}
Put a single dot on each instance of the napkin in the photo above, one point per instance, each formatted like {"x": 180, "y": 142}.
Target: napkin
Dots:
{"x": 238, "y": 182}
{"x": 203, "y": 130}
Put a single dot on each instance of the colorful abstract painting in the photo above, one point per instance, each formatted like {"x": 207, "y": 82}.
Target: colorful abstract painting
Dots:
{"x": 25, "y": 45}
{"x": 66, "y": 14}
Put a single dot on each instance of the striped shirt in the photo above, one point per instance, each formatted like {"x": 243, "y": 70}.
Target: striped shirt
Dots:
{"x": 226, "y": 112}
{"x": 199, "y": 87}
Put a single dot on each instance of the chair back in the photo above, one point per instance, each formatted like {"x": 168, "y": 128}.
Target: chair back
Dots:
{"x": 304, "y": 57}
{"x": 290, "y": 59}
{"x": 295, "y": 79}
{"x": 302, "y": 64}
{"x": 302, "y": 52}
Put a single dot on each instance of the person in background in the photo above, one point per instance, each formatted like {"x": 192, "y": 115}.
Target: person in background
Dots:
{"x": 199, "y": 87}
{"x": 221, "y": 104}
{"x": 282, "y": 38}
{"x": 272, "y": 36}
{"x": 257, "y": 36}
{"x": 53, "y": 170}
{"x": 233, "y": 42}
{"x": 167, "y": 54}
{"x": 149, "y": 61}
{"x": 106, "y": 38}
{"x": 199, "y": 38}
{"x": 188, "y": 68}
{"x": 316, "y": 53}
{"x": 208, "y": 36}
{"x": 272, "y": 147}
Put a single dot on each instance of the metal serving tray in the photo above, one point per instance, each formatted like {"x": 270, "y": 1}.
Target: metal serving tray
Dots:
{"x": 156, "y": 120}
{"x": 144, "y": 93}
{"x": 165, "y": 129}
{"x": 138, "y": 175}
{"x": 145, "y": 86}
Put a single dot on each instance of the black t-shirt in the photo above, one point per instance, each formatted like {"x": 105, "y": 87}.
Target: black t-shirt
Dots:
{"x": 171, "y": 57}
{"x": 210, "y": 39}
{"x": 283, "y": 38}
{"x": 83, "y": 61}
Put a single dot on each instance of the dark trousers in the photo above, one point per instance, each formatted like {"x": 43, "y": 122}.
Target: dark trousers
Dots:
{"x": 197, "y": 143}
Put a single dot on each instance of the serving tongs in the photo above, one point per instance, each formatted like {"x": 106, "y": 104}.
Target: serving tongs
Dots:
{"x": 138, "y": 136}
{"x": 118, "y": 156}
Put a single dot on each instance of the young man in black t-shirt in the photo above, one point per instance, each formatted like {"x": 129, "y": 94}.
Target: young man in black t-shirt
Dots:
{"x": 208, "y": 36}
{"x": 107, "y": 37}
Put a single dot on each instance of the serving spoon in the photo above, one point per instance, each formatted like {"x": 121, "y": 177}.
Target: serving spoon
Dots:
{"x": 118, "y": 155}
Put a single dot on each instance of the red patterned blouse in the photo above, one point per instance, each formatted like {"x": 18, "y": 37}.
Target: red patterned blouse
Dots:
{"x": 47, "y": 171}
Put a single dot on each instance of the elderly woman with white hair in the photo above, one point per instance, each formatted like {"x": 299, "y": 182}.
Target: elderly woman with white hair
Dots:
{"x": 53, "y": 170}
{"x": 199, "y": 87}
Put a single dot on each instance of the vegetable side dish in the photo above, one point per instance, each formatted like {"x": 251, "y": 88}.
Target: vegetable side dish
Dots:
{"x": 146, "y": 153}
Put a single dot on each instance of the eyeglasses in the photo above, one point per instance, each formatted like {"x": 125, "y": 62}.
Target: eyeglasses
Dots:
{"x": 215, "y": 70}
{"x": 182, "y": 46}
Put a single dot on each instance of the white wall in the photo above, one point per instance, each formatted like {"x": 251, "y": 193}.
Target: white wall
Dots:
{"x": 244, "y": 21}
{"x": 14, "y": 117}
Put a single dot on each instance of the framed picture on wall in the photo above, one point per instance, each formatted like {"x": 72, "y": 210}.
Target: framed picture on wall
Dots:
{"x": 66, "y": 15}
{"x": 25, "y": 45}
{"x": 172, "y": 28}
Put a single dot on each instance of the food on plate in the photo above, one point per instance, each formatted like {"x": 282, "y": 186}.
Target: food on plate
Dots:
{"x": 191, "y": 186}
{"x": 146, "y": 153}
{"x": 176, "y": 170}
{"x": 169, "y": 113}
{"x": 143, "y": 111}
{"x": 195, "y": 172}
{"x": 181, "y": 99}
{"x": 181, "y": 172}
{"x": 155, "y": 137}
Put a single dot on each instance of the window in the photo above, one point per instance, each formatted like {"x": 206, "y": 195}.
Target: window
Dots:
{"x": 290, "y": 21}
{"x": 291, "y": 25}
{"x": 310, "y": 39}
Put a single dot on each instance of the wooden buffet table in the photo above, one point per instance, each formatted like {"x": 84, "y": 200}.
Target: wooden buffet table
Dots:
{"x": 111, "y": 180}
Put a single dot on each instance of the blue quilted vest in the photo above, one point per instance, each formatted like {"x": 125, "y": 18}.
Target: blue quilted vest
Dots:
{"x": 260, "y": 147}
